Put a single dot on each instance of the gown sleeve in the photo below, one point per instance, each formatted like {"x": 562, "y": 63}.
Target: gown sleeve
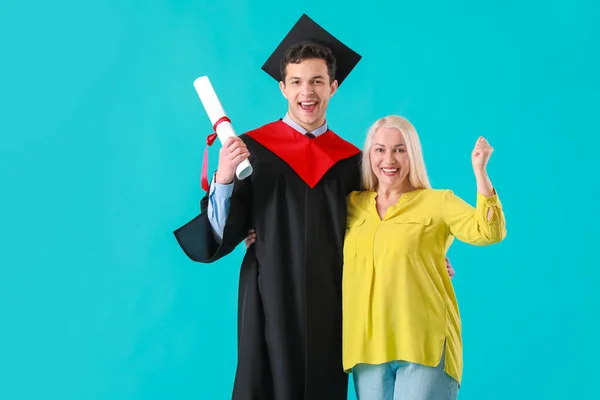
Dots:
{"x": 196, "y": 237}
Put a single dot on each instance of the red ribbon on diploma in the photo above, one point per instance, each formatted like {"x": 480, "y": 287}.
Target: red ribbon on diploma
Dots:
{"x": 209, "y": 141}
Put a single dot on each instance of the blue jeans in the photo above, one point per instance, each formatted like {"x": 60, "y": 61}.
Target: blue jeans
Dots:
{"x": 398, "y": 380}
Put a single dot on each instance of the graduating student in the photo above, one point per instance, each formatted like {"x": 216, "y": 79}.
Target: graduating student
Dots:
{"x": 290, "y": 300}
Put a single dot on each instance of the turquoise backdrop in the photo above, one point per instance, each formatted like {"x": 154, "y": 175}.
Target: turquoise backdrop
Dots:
{"x": 101, "y": 147}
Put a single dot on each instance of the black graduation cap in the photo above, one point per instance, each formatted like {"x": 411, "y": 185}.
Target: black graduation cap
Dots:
{"x": 307, "y": 30}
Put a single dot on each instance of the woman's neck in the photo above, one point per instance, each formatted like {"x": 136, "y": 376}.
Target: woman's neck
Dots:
{"x": 393, "y": 193}
{"x": 388, "y": 196}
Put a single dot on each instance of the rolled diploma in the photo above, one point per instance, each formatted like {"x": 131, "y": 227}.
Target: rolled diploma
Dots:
{"x": 215, "y": 111}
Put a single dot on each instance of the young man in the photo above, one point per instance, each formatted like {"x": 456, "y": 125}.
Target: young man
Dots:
{"x": 290, "y": 310}
{"x": 289, "y": 307}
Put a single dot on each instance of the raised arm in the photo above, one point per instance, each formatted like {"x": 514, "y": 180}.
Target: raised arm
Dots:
{"x": 484, "y": 224}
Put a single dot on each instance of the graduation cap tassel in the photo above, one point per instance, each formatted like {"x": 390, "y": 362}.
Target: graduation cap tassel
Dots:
{"x": 209, "y": 141}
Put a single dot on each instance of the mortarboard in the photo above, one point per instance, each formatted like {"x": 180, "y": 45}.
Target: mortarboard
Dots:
{"x": 307, "y": 30}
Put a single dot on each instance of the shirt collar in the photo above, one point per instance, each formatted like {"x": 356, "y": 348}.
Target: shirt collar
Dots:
{"x": 317, "y": 132}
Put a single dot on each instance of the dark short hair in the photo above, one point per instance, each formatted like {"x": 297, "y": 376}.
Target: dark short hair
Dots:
{"x": 305, "y": 51}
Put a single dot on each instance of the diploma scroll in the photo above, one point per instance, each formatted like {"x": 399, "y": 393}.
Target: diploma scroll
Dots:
{"x": 216, "y": 114}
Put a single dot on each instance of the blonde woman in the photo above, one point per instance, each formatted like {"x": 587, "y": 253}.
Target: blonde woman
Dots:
{"x": 401, "y": 323}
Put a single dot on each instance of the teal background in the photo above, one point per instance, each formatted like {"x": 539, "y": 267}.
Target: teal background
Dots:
{"x": 101, "y": 147}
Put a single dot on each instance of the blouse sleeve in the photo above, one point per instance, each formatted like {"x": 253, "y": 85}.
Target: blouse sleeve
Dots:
{"x": 472, "y": 225}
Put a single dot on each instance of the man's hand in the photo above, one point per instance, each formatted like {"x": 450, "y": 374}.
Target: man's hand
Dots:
{"x": 449, "y": 268}
{"x": 251, "y": 238}
{"x": 233, "y": 152}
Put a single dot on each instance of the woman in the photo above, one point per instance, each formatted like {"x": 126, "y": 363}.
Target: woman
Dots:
{"x": 402, "y": 331}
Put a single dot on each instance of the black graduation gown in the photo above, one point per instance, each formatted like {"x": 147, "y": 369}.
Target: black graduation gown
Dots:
{"x": 290, "y": 287}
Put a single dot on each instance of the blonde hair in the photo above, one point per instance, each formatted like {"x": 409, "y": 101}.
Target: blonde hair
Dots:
{"x": 417, "y": 176}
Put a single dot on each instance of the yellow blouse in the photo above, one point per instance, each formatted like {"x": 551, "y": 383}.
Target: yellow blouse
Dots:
{"x": 398, "y": 301}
